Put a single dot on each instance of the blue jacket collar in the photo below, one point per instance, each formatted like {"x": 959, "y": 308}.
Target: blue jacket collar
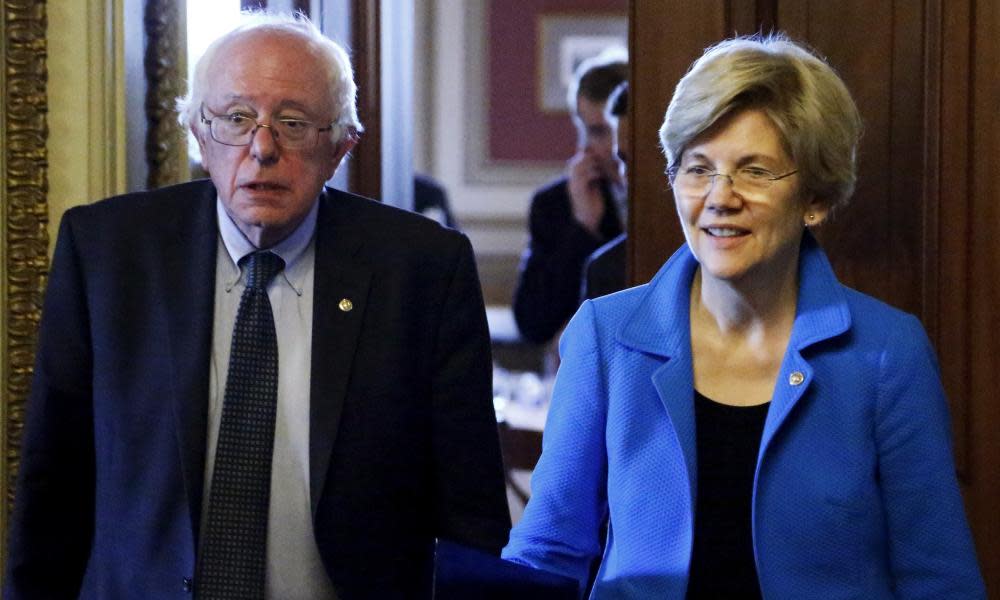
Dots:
{"x": 660, "y": 324}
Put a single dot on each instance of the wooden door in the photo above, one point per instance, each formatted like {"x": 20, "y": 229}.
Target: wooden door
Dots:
{"x": 922, "y": 231}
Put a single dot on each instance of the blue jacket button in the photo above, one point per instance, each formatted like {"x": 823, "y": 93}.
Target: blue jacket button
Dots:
{"x": 187, "y": 584}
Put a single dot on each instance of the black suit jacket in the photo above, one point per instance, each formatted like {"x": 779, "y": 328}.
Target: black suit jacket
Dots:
{"x": 604, "y": 270}
{"x": 403, "y": 444}
{"x": 548, "y": 286}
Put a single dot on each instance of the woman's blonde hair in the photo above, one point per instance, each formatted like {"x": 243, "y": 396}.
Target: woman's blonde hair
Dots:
{"x": 799, "y": 91}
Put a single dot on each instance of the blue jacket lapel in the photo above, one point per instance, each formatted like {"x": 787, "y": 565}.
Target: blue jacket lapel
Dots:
{"x": 821, "y": 314}
{"x": 660, "y": 326}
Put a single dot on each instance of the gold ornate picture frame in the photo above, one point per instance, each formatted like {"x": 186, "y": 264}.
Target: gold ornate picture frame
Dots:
{"x": 23, "y": 226}
{"x": 24, "y": 206}
{"x": 165, "y": 66}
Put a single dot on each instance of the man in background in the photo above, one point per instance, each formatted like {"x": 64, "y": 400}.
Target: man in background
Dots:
{"x": 574, "y": 215}
{"x": 256, "y": 386}
{"x": 431, "y": 200}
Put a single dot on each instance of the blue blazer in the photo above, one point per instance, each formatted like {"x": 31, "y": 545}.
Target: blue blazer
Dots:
{"x": 111, "y": 483}
{"x": 855, "y": 494}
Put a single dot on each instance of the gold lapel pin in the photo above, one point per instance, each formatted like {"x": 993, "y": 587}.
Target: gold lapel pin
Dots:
{"x": 346, "y": 305}
{"x": 796, "y": 378}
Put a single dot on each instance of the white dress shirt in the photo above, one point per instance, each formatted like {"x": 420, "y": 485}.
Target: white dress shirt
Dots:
{"x": 294, "y": 568}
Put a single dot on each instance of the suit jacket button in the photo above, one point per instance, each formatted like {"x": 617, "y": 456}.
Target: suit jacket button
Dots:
{"x": 346, "y": 305}
{"x": 187, "y": 584}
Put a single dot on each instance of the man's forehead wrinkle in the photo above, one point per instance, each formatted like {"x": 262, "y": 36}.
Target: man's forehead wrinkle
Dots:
{"x": 235, "y": 97}
{"x": 253, "y": 102}
{"x": 273, "y": 89}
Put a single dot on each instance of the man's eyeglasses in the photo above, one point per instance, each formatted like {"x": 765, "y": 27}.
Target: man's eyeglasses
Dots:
{"x": 697, "y": 180}
{"x": 238, "y": 128}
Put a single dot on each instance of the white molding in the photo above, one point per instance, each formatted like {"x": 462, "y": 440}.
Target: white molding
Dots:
{"x": 449, "y": 105}
{"x": 106, "y": 99}
{"x": 479, "y": 167}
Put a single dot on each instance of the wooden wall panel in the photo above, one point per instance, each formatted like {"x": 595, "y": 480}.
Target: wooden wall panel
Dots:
{"x": 670, "y": 37}
{"x": 981, "y": 237}
{"x": 950, "y": 137}
{"x": 366, "y": 53}
{"x": 875, "y": 236}
{"x": 923, "y": 229}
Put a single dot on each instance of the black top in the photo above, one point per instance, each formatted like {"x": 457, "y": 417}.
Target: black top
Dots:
{"x": 722, "y": 560}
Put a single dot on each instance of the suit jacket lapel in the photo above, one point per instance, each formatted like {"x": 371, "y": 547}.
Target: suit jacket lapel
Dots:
{"x": 188, "y": 271}
{"x": 821, "y": 314}
{"x": 660, "y": 326}
{"x": 339, "y": 301}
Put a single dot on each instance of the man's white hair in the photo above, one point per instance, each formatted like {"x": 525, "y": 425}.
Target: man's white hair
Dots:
{"x": 339, "y": 75}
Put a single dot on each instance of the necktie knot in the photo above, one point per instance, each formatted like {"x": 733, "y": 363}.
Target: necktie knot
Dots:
{"x": 261, "y": 267}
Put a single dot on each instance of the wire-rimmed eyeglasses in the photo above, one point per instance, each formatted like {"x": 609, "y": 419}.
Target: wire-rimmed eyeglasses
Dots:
{"x": 237, "y": 128}
{"x": 697, "y": 180}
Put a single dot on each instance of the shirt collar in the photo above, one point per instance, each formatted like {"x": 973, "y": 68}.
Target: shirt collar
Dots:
{"x": 290, "y": 249}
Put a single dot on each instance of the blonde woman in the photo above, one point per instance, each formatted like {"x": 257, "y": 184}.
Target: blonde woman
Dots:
{"x": 744, "y": 425}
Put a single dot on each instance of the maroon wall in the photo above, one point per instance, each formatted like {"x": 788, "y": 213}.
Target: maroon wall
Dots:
{"x": 519, "y": 130}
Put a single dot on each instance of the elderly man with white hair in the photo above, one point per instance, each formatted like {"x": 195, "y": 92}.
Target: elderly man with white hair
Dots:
{"x": 255, "y": 386}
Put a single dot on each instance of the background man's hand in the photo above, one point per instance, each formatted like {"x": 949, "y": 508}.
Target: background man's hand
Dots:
{"x": 586, "y": 178}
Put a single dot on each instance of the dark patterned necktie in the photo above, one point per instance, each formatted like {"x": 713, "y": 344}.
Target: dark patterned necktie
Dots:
{"x": 234, "y": 546}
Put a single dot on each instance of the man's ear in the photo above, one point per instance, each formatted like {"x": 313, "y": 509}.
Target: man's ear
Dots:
{"x": 199, "y": 135}
{"x": 344, "y": 146}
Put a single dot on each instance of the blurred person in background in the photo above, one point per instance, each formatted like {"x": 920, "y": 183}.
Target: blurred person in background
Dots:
{"x": 604, "y": 270}
{"x": 576, "y": 214}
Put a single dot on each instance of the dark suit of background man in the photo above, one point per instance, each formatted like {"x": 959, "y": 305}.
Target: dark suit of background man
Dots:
{"x": 384, "y": 436}
{"x": 573, "y": 216}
